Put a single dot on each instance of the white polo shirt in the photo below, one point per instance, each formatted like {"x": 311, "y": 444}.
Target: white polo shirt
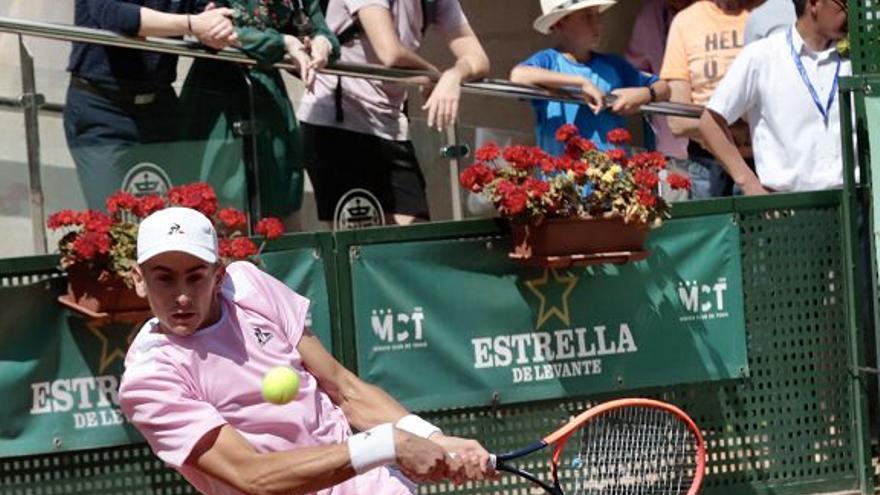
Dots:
{"x": 795, "y": 148}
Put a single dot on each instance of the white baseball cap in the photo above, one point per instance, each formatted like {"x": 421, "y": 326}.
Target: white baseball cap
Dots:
{"x": 554, "y": 10}
{"x": 177, "y": 229}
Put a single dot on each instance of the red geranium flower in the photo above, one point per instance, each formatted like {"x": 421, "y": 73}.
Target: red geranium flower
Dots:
{"x": 147, "y": 205}
{"x": 95, "y": 221}
{"x": 549, "y": 165}
{"x": 270, "y": 228}
{"x": 232, "y": 219}
{"x": 650, "y": 159}
{"x": 89, "y": 245}
{"x": 242, "y": 248}
{"x": 577, "y": 147}
{"x": 536, "y": 188}
{"x": 619, "y": 137}
{"x": 199, "y": 196}
{"x": 121, "y": 201}
{"x": 512, "y": 198}
{"x": 618, "y": 155}
{"x": 488, "y": 152}
{"x": 518, "y": 156}
{"x": 224, "y": 248}
{"x": 678, "y": 181}
{"x": 566, "y": 132}
{"x": 63, "y": 218}
{"x": 476, "y": 177}
{"x": 646, "y": 198}
{"x": 646, "y": 178}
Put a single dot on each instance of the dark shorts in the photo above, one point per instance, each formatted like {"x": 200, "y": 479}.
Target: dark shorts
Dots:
{"x": 107, "y": 137}
{"x": 339, "y": 161}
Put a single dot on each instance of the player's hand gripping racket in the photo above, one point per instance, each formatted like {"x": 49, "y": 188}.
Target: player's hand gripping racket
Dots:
{"x": 622, "y": 447}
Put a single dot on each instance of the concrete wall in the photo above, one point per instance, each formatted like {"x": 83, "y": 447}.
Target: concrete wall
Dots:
{"x": 504, "y": 26}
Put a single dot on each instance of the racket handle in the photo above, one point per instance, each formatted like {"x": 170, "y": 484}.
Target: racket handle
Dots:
{"x": 493, "y": 462}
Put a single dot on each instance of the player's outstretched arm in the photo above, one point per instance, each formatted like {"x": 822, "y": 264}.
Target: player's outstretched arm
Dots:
{"x": 226, "y": 455}
{"x": 364, "y": 405}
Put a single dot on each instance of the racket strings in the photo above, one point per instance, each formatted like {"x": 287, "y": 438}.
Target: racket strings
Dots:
{"x": 633, "y": 451}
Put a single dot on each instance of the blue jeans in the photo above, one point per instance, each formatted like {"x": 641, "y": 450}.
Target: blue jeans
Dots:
{"x": 701, "y": 187}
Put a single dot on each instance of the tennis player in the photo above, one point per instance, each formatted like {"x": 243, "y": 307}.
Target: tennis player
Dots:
{"x": 192, "y": 384}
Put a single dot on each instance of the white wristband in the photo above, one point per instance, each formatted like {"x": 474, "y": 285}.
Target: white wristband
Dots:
{"x": 372, "y": 448}
{"x": 417, "y": 426}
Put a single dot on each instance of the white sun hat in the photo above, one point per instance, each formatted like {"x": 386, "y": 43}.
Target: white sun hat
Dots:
{"x": 555, "y": 10}
{"x": 177, "y": 229}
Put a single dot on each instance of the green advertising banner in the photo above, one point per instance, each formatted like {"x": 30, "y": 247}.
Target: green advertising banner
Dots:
{"x": 59, "y": 372}
{"x": 454, "y": 323}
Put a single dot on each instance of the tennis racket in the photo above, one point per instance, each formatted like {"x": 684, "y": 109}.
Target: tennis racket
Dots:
{"x": 622, "y": 447}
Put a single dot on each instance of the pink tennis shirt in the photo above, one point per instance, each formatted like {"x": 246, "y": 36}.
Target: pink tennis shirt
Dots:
{"x": 177, "y": 389}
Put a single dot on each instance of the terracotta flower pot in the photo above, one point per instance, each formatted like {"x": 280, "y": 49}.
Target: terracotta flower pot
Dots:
{"x": 97, "y": 299}
{"x": 562, "y": 242}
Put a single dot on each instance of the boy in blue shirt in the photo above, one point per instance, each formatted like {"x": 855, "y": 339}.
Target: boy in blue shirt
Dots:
{"x": 577, "y": 28}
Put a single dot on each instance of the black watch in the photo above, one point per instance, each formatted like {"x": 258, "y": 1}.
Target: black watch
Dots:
{"x": 653, "y": 93}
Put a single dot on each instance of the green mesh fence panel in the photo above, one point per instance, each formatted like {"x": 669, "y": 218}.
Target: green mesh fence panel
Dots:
{"x": 786, "y": 429}
{"x": 789, "y": 426}
{"x": 129, "y": 470}
{"x": 864, "y": 28}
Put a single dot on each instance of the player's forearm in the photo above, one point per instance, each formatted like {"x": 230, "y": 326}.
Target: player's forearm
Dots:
{"x": 535, "y": 76}
{"x": 305, "y": 470}
{"x": 155, "y": 23}
{"x": 715, "y": 139}
{"x": 366, "y": 406}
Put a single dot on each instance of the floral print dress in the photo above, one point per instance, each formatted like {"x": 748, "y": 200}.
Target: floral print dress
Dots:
{"x": 217, "y": 118}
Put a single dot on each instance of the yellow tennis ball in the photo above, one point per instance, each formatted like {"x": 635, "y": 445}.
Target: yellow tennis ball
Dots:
{"x": 280, "y": 385}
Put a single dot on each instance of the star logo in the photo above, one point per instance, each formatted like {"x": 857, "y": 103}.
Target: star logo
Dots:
{"x": 115, "y": 337}
{"x": 553, "y": 295}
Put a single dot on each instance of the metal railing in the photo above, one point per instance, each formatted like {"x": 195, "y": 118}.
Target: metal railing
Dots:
{"x": 488, "y": 87}
{"x": 32, "y": 103}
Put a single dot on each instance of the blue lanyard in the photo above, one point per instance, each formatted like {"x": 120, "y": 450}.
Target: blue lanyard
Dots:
{"x": 800, "y": 67}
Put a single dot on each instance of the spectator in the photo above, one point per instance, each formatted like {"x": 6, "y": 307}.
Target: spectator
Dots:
{"x": 120, "y": 98}
{"x": 369, "y": 117}
{"x": 645, "y": 52}
{"x": 574, "y": 63}
{"x": 192, "y": 384}
{"x": 786, "y": 86}
{"x": 217, "y": 97}
{"x": 703, "y": 41}
{"x": 770, "y": 17}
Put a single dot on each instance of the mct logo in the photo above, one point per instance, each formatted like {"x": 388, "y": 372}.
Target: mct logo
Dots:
{"x": 398, "y": 330}
{"x": 703, "y": 301}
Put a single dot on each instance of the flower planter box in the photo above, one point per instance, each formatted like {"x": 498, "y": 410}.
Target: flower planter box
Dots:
{"x": 564, "y": 242}
{"x": 100, "y": 299}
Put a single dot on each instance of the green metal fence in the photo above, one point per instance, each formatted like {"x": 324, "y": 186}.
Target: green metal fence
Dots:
{"x": 864, "y": 28}
{"x": 796, "y": 425}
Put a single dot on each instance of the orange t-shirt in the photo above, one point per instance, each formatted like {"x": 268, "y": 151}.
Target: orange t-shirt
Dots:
{"x": 702, "y": 43}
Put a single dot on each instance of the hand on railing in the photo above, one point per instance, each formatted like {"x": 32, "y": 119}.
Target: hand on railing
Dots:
{"x": 594, "y": 96}
{"x": 442, "y": 105}
{"x": 298, "y": 53}
{"x": 320, "y": 49}
{"x": 214, "y": 27}
{"x": 628, "y": 101}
